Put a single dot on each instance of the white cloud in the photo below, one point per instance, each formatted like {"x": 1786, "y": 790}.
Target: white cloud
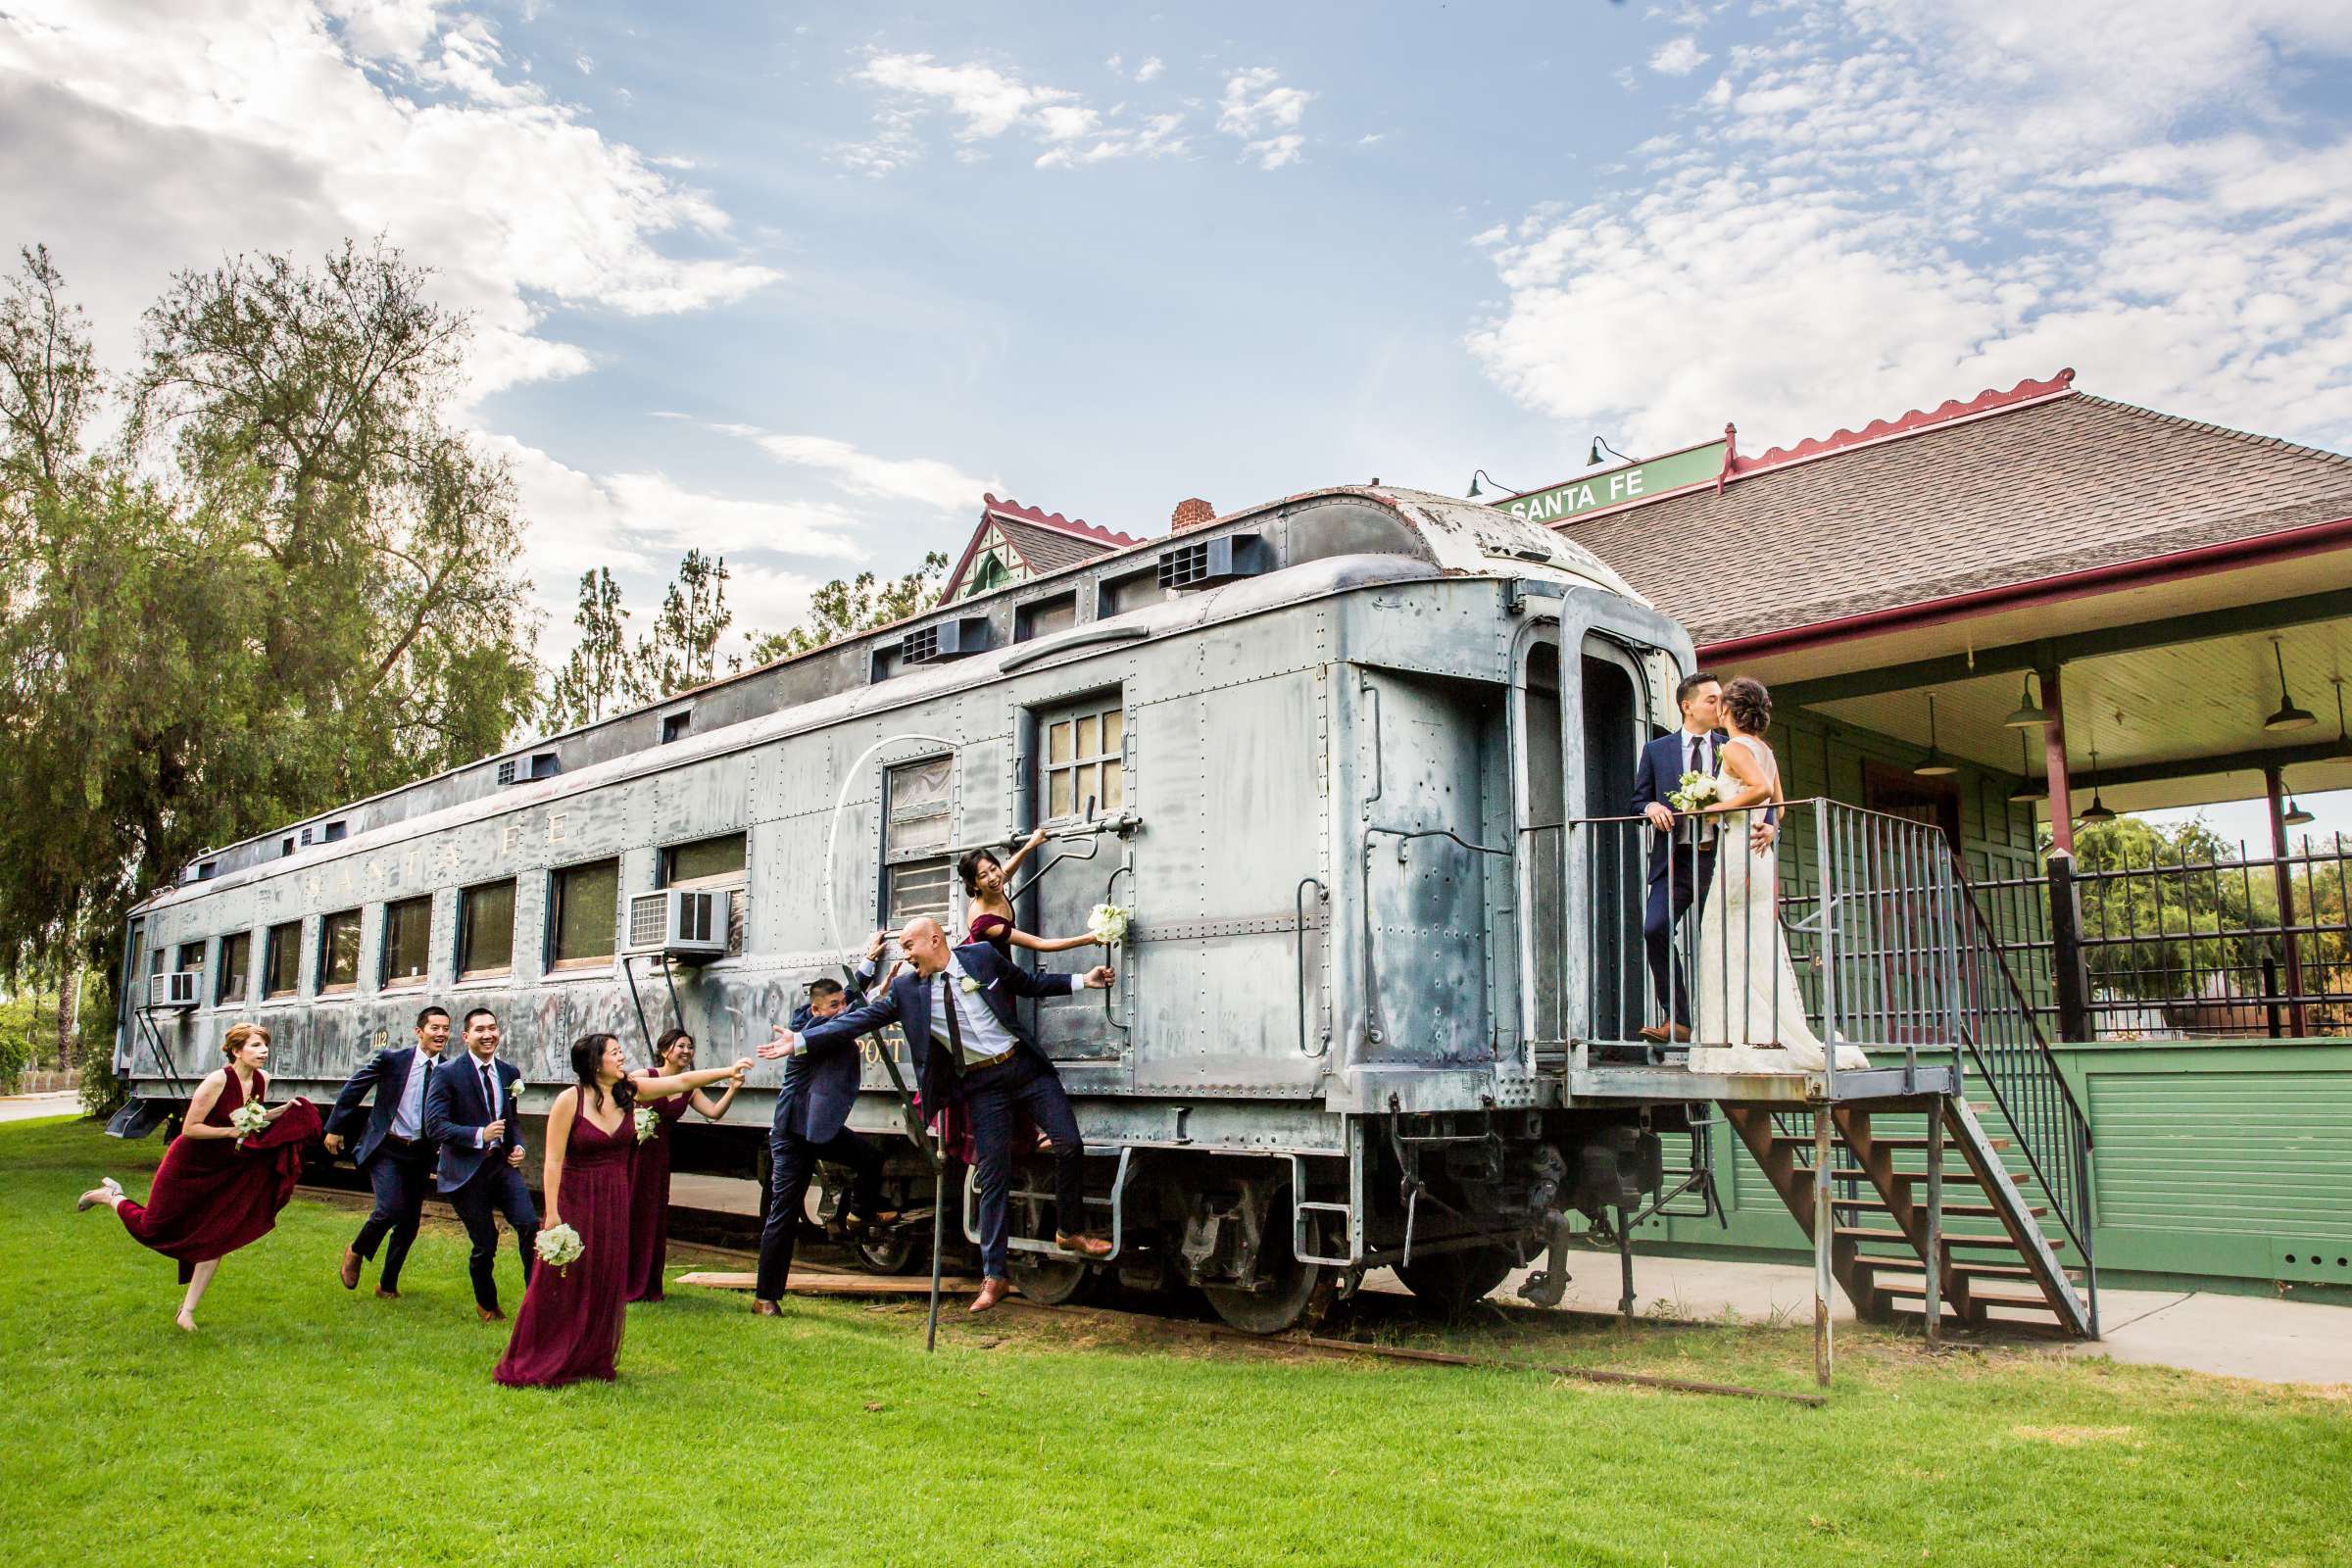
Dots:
{"x": 987, "y": 103}
{"x": 1623, "y": 77}
{"x": 1259, "y": 111}
{"x": 1678, "y": 57}
{"x": 1893, "y": 202}
{"x": 1150, "y": 69}
{"x": 927, "y": 481}
{"x": 220, "y": 127}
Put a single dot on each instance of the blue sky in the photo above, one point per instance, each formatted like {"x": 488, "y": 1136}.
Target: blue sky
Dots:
{"x": 797, "y": 282}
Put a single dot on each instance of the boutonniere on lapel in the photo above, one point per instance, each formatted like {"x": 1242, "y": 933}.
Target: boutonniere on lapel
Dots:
{"x": 970, "y": 984}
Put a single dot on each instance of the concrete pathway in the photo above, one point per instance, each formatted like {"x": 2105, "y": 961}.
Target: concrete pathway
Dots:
{"x": 27, "y": 1108}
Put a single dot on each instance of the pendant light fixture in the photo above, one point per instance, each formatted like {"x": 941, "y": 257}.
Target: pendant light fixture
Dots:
{"x": 2030, "y": 791}
{"x": 2296, "y": 815}
{"x": 2289, "y": 716}
{"x": 2097, "y": 812}
{"x": 1934, "y": 766}
{"x": 2028, "y": 715}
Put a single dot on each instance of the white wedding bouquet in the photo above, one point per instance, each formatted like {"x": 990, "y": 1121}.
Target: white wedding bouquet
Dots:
{"x": 1696, "y": 791}
{"x": 649, "y": 1123}
{"x": 251, "y": 1119}
{"x": 1108, "y": 923}
{"x": 560, "y": 1246}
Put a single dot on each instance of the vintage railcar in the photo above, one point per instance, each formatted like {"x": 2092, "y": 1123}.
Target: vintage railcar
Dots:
{"x": 1324, "y": 748}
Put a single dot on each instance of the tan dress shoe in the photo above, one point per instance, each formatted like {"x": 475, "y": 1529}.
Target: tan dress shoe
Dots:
{"x": 350, "y": 1272}
{"x": 1083, "y": 1245}
{"x": 384, "y": 1294}
{"x": 761, "y": 1309}
{"x": 491, "y": 1314}
{"x": 992, "y": 1291}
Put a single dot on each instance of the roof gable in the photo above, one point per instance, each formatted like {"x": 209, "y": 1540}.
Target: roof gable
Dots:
{"x": 1044, "y": 541}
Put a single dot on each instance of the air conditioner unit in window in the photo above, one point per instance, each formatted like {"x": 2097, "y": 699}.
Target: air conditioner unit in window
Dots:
{"x": 1203, "y": 563}
{"x": 689, "y": 923}
{"x": 173, "y": 991}
{"x": 936, "y": 644}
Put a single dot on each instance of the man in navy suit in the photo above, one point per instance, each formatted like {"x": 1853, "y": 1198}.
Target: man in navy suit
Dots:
{"x": 1682, "y": 866}
{"x": 469, "y": 1114}
{"x": 812, "y": 1112}
{"x": 956, "y": 1006}
{"x": 393, "y": 1153}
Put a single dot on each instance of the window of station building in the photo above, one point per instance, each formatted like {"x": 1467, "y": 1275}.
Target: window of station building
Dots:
{"x": 1043, "y": 618}
{"x": 407, "y": 942}
{"x": 281, "y": 960}
{"x": 339, "y": 952}
{"x": 1080, "y": 769}
{"x": 236, "y": 965}
{"x": 581, "y": 914}
{"x": 918, "y": 878}
{"x": 486, "y": 931}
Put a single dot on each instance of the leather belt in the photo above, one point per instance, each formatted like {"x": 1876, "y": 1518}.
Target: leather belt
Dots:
{"x": 997, "y": 1060}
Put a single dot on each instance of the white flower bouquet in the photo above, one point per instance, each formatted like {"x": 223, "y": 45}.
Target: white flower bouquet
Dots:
{"x": 251, "y": 1119}
{"x": 1696, "y": 791}
{"x": 1108, "y": 923}
{"x": 560, "y": 1246}
{"x": 649, "y": 1123}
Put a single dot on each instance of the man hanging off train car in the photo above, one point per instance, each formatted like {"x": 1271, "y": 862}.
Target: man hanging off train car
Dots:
{"x": 970, "y": 1049}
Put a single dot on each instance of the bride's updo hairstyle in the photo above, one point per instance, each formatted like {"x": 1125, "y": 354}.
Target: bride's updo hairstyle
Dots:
{"x": 587, "y": 1055}
{"x": 1749, "y": 704}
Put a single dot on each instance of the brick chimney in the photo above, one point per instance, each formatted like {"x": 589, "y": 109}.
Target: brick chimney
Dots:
{"x": 1190, "y": 513}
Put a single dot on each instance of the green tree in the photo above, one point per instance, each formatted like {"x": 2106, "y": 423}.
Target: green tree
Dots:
{"x": 681, "y": 651}
{"x": 600, "y": 675}
{"x": 291, "y": 583}
{"x": 843, "y": 608}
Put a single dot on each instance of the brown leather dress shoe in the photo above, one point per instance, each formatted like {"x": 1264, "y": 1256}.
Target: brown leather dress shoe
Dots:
{"x": 761, "y": 1309}
{"x": 491, "y": 1314}
{"x": 350, "y": 1272}
{"x": 992, "y": 1291}
{"x": 1083, "y": 1245}
{"x": 388, "y": 1295}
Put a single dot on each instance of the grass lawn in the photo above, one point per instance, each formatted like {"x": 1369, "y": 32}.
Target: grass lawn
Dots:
{"x": 306, "y": 1424}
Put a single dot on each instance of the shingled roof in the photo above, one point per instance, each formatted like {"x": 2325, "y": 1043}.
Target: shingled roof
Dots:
{"x": 1046, "y": 541}
{"x": 2007, "y": 488}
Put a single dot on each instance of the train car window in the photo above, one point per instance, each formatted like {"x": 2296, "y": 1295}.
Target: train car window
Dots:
{"x": 138, "y": 956}
{"x": 583, "y": 915}
{"x": 281, "y": 974}
{"x": 407, "y": 942}
{"x": 486, "y": 930}
{"x": 236, "y": 964}
{"x": 1082, "y": 766}
{"x": 191, "y": 957}
{"x": 720, "y": 863}
{"x": 339, "y": 952}
{"x": 917, "y": 877}
{"x": 1042, "y": 617}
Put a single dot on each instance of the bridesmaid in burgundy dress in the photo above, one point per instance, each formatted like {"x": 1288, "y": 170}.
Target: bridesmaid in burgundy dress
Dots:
{"x": 987, "y": 917}
{"x": 570, "y": 1322}
{"x": 648, "y": 1191}
{"x": 214, "y": 1192}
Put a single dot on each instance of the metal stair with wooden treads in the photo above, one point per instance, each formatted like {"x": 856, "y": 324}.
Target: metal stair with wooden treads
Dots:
{"x": 1884, "y": 1227}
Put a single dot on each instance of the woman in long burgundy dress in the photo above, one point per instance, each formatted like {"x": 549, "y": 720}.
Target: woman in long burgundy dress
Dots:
{"x": 570, "y": 1322}
{"x": 649, "y": 1185}
{"x": 214, "y": 1192}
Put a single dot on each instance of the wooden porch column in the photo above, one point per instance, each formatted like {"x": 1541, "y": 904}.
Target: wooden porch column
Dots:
{"x": 2053, "y": 752}
{"x": 2283, "y": 879}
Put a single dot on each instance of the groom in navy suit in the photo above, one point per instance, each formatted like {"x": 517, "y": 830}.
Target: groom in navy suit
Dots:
{"x": 470, "y": 1114}
{"x": 956, "y": 1006}
{"x": 1682, "y": 865}
{"x": 392, "y": 1151}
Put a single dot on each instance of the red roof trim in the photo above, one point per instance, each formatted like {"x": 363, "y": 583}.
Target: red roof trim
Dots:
{"x": 2256, "y": 550}
{"x": 1989, "y": 401}
{"x": 1076, "y": 527}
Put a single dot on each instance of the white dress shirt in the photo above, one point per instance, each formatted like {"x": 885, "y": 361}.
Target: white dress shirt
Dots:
{"x": 408, "y": 1120}
{"x": 498, "y": 1089}
{"x": 983, "y": 1036}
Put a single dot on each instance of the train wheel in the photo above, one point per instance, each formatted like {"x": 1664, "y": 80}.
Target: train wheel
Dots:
{"x": 1050, "y": 1281}
{"x": 1293, "y": 1293}
{"x": 1456, "y": 1282}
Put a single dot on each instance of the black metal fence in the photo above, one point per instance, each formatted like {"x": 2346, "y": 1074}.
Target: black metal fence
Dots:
{"x": 2174, "y": 941}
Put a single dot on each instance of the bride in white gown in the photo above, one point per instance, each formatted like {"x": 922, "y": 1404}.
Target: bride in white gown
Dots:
{"x": 1750, "y": 1014}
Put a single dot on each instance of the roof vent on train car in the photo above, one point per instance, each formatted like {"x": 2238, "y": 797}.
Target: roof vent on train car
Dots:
{"x": 1203, "y": 562}
{"x": 944, "y": 640}
{"x": 175, "y": 992}
{"x": 689, "y": 923}
{"x": 526, "y": 770}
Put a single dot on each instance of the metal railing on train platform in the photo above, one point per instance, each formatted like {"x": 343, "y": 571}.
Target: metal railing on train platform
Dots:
{"x": 2186, "y": 941}
{"x": 1885, "y": 948}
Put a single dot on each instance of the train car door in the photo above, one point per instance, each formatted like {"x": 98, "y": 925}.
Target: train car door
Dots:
{"x": 1078, "y": 762}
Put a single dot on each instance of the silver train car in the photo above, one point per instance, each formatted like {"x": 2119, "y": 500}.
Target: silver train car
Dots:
{"x": 1324, "y": 750}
